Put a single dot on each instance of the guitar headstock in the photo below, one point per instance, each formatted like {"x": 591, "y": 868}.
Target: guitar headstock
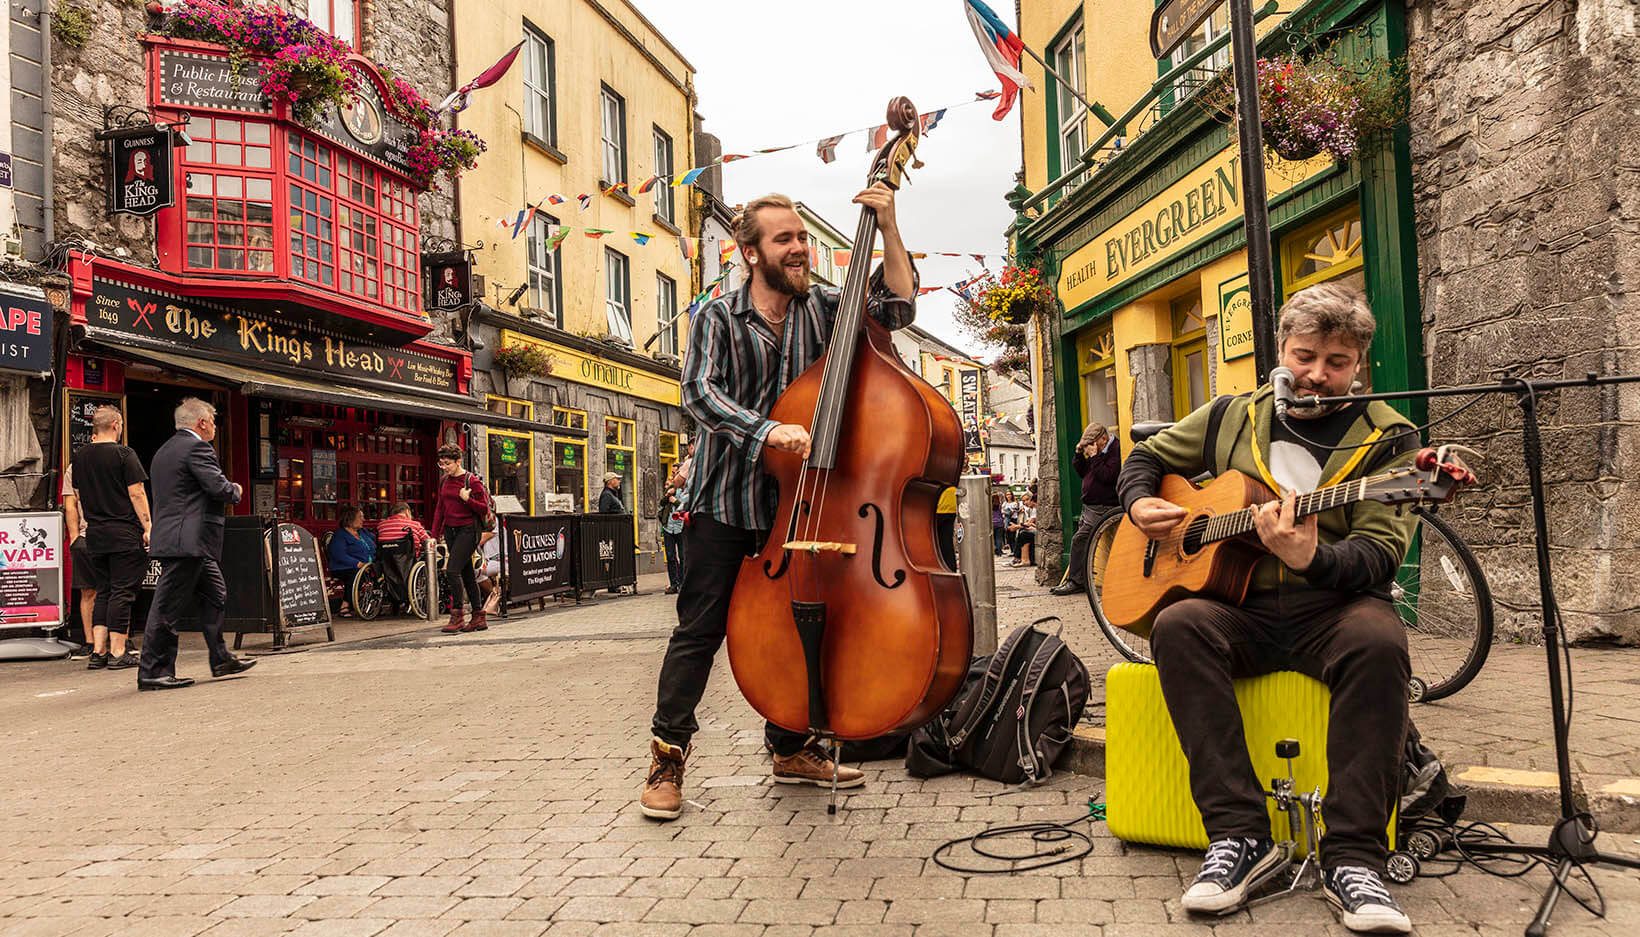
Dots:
{"x": 1435, "y": 476}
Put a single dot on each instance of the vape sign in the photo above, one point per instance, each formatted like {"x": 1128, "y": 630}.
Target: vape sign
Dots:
{"x": 140, "y": 180}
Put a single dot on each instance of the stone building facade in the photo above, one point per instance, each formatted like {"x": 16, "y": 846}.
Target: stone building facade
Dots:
{"x": 1528, "y": 215}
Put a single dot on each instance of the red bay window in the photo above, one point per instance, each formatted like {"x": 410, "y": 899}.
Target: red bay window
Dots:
{"x": 229, "y": 208}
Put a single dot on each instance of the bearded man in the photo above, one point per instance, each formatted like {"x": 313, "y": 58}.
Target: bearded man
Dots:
{"x": 744, "y": 349}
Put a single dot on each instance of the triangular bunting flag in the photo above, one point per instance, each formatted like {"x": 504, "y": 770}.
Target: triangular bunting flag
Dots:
{"x": 596, "y": 233}
{"x": 689, "y": 177}
{"x": 559, "y": 233}
{"x": 687, "y": 246}
{"x": 641, "y": 238}
{"x": 518, "y": 225}
{"x": 731, "y": 157}
{"x": 585, "y": 200}
{"x": 931, "y": 120}
{"x": 876, "y": 138}
{"x": 776, "y": 149}
{"x": 555, "y": 199}
{"x": 842, "y": 258}
{"x": 827, "y": 150}
{"x": 648, "y": 184}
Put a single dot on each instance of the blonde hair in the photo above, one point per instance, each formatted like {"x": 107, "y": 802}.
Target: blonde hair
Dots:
{"x": 745, "y": 228}
{"x": 1328, "y": 310}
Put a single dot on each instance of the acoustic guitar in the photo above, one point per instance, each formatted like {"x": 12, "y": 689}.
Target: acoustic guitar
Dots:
{"x": 1213, "y": 550}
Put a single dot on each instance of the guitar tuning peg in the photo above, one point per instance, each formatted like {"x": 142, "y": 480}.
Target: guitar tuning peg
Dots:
{"x": 916, "y": 163}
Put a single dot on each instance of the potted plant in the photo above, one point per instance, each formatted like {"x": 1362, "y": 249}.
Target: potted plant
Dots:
{"x": 1015, "y": 295}
{"x": 1323, "y": 104}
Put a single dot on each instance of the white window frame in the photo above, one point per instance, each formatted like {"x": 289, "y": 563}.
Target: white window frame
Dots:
{"x": 1070, "y": 60}
{"x": 543, "y": 267}
{"x": 540, "y": 86}
{"x": 613, "y": 107}
{"x": 666, "y": 308}
{"x": 665, "y": 207}
{"x": 618, "y": 294}
{"x": 320, "y": 14}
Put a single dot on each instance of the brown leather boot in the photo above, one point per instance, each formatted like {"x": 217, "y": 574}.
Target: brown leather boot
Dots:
{"x": 812, "y": 765}
{"x": 663, "y": 793}
{"x": 478, "y": 623}
{"x": 454, "y": 625}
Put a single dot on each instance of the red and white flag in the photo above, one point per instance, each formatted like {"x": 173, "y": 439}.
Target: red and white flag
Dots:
{"x": 486, "y": 78}
{"x": 877, "y": 138}
{"x": 827, "y": 150}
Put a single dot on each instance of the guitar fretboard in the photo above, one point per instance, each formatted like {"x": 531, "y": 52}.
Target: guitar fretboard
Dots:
{"x": 1236, "y": 523}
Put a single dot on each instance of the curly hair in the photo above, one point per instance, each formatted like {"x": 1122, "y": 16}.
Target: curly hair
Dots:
{"x": 1329, "y": 310}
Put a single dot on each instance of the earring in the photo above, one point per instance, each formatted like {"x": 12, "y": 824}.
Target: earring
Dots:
{"x": 752, "y": 258}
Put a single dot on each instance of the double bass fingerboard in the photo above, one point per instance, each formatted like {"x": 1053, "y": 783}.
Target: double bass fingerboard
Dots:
{"x": 845, "y": 338}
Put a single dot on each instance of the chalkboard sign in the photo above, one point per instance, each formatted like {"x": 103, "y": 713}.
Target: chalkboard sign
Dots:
{"x": 298, "y": 578}
{"x": 81, "y": 406}
{"x": 536, "y": 556}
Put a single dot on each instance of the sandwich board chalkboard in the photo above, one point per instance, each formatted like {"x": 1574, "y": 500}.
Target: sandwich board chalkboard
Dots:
{"x": 298, "y": 580}
{"x": 81, "y": 406}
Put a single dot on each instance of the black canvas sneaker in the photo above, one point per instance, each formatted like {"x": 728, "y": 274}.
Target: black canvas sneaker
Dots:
{"x": 1367, "y": 906}
{"x": 1231, "y": 865}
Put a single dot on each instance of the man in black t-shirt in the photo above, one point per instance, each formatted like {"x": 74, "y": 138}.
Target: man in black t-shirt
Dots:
{"x": 108, "y": 481}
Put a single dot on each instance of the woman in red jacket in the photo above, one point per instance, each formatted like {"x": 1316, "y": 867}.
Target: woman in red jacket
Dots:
{"x": 458, "y": 515}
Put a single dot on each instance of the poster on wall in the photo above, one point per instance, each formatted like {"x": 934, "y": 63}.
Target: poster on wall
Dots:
{"x": 31, "y": 570}
{"x": 324, "y": 476}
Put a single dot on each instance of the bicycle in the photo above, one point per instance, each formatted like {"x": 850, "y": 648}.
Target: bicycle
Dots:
{"x": 1440, "y": 593}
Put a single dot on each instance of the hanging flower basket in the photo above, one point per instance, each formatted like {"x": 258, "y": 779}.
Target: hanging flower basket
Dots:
{"x": 1014, "y": 296}
{"x": 1324, "y": 104}
{"x": 1019, "y": 311}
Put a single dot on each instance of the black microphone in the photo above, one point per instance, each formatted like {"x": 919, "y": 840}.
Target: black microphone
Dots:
{"x": 1282, "y": 380}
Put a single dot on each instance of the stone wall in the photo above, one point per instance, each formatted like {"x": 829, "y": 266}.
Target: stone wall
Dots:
{"x": 1050, "y": 533}
{"x": 1528, "y": 217}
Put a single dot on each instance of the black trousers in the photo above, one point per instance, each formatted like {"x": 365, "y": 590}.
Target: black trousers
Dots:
{"x": 1356, "y": 644}
{"x": 184, "y": 582}
{"x": 118, "y": 577}
{"x": 458, "y": 566}
{"x": 715, "y": 551}
{"x": 1092, "y": 514}
{"x": 673, "y": 544}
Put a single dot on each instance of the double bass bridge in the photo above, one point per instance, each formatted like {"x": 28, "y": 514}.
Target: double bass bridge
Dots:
{"x": 819, "y": 546}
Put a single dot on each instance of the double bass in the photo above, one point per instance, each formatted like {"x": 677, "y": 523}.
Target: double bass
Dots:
{"x": 848, "y": 624}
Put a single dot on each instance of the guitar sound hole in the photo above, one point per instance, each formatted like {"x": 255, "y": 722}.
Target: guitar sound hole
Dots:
{"x": 1193, "y": 534}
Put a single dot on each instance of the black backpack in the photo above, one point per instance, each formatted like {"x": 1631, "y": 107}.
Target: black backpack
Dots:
{"x": 1013, "y": 716}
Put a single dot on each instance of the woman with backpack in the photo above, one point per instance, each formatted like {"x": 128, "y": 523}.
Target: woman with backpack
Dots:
{"x": 461, "y": 513}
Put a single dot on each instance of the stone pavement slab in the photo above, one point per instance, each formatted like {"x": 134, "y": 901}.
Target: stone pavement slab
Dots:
{"x": 422, "y": 784}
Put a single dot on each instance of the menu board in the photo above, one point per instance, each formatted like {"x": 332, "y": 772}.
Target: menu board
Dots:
{"x": 82, "y": 406}
{"x": 298, "y": 578}
{"x": 535, "y": 556}
{"x": 31, "y": 570}
{"x": 324, "y": 476}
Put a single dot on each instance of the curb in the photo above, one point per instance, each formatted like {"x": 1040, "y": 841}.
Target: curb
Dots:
{"x": 1498, "y": 795}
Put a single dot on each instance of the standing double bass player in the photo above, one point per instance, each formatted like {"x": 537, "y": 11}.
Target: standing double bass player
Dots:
{"x": 744, "y": 349}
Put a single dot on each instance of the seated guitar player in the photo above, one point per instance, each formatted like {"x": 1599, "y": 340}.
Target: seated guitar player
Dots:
{"x": 1318, "y": 603}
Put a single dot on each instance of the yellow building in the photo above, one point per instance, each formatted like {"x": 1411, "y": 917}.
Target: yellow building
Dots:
{"x": 597, "y": 102}
{"x": 1144, "y": 241}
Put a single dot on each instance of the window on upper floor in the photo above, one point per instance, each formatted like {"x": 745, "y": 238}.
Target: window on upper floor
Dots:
{"x": 540, "y": 86}
{"x": 664, "y": 205}
{"x": 543, "y": 268}
{"x": 1070, "y": 61}
{"x": 340, "y": 18}
{"x": 614, "y": 137}
{"x": 230, "y": 196}
{"x": 618, "y": 294}
{"x": 1216, "y": 25}
{"x": 666, "y": 311}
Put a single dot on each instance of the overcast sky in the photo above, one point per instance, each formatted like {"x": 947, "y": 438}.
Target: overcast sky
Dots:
{"x": 770, "y": 74}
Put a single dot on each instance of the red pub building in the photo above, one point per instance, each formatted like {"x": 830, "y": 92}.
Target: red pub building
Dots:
{"x": 287, "y": 288}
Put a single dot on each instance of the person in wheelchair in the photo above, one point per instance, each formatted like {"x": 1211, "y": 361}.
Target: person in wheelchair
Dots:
{"x": 399, "y": 523}
{"x": 352, "y": 548}
{"x": 1318, "y": 604}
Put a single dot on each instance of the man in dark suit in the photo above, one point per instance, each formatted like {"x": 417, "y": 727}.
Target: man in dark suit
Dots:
{"x": 189, "y": 493}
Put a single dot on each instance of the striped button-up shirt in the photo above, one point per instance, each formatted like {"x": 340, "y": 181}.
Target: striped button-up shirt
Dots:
{"x": 734, "y": 370}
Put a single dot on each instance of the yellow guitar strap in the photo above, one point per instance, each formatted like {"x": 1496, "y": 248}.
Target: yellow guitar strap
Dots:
{"x": 1343, "y": 473}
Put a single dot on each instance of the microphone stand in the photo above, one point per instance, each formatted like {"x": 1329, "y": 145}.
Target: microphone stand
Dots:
{"x": 1571, "y": 842}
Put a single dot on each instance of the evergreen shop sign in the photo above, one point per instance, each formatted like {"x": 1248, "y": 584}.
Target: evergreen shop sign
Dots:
{"x": 140, "y": 180}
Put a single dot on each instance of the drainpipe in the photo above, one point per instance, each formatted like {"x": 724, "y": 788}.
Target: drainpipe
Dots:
{"x": 49, "y": 197}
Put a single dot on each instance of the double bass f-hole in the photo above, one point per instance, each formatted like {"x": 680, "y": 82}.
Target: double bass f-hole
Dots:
{"x": 867, "y": 510}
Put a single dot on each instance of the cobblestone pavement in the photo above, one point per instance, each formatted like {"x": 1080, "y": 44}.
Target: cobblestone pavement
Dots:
{"x": 483, "y": 785}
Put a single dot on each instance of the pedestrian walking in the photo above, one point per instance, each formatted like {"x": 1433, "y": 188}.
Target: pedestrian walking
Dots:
{"x": 1098, "y": 459}
{"x": 107, "y": 479}
{"x": 999, "y": 526}
{"x": 190, "y": 493}
{"x": 459, "y": 513}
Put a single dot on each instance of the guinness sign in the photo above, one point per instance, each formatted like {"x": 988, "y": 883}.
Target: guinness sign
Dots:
{"x": 140, "y": 180}
{"x": 451, "y": 277}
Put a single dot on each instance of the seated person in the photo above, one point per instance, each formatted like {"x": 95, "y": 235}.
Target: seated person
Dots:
{"x": 351, "y": 549}
{"x": 1317, "y": 603}
{"x": 1023, "y": 533}
{"x": 489, "y": 574}
{"x": 398, "y": 523}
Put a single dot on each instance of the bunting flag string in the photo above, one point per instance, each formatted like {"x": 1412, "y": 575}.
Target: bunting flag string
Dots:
{"x": 688, "y": 246}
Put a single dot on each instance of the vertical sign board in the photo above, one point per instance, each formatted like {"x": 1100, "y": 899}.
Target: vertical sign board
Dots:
{"x": 1235, "y": 318}
{"x": 25, "y": 329}
{"x": 298, "y": 579}
{"x": 140, "y": 179}
{"x": 535, "y": 556}
{"x": 970, "y": 412}
{"x": 451, "y": 277}
{"x": 31, "y": 570}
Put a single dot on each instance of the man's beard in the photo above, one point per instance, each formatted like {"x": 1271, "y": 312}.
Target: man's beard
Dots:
{"x": 780, "y": 277}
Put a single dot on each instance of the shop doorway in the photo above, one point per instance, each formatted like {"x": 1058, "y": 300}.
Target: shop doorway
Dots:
{"x": 150, "y": 416}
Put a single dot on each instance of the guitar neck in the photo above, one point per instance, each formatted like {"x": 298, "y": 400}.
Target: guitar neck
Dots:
{"x": 1236, "y": 523}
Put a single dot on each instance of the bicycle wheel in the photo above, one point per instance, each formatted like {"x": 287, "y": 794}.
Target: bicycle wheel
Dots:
{"x": 1442, "y": 596}
{"x": 1128, "y": 644}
